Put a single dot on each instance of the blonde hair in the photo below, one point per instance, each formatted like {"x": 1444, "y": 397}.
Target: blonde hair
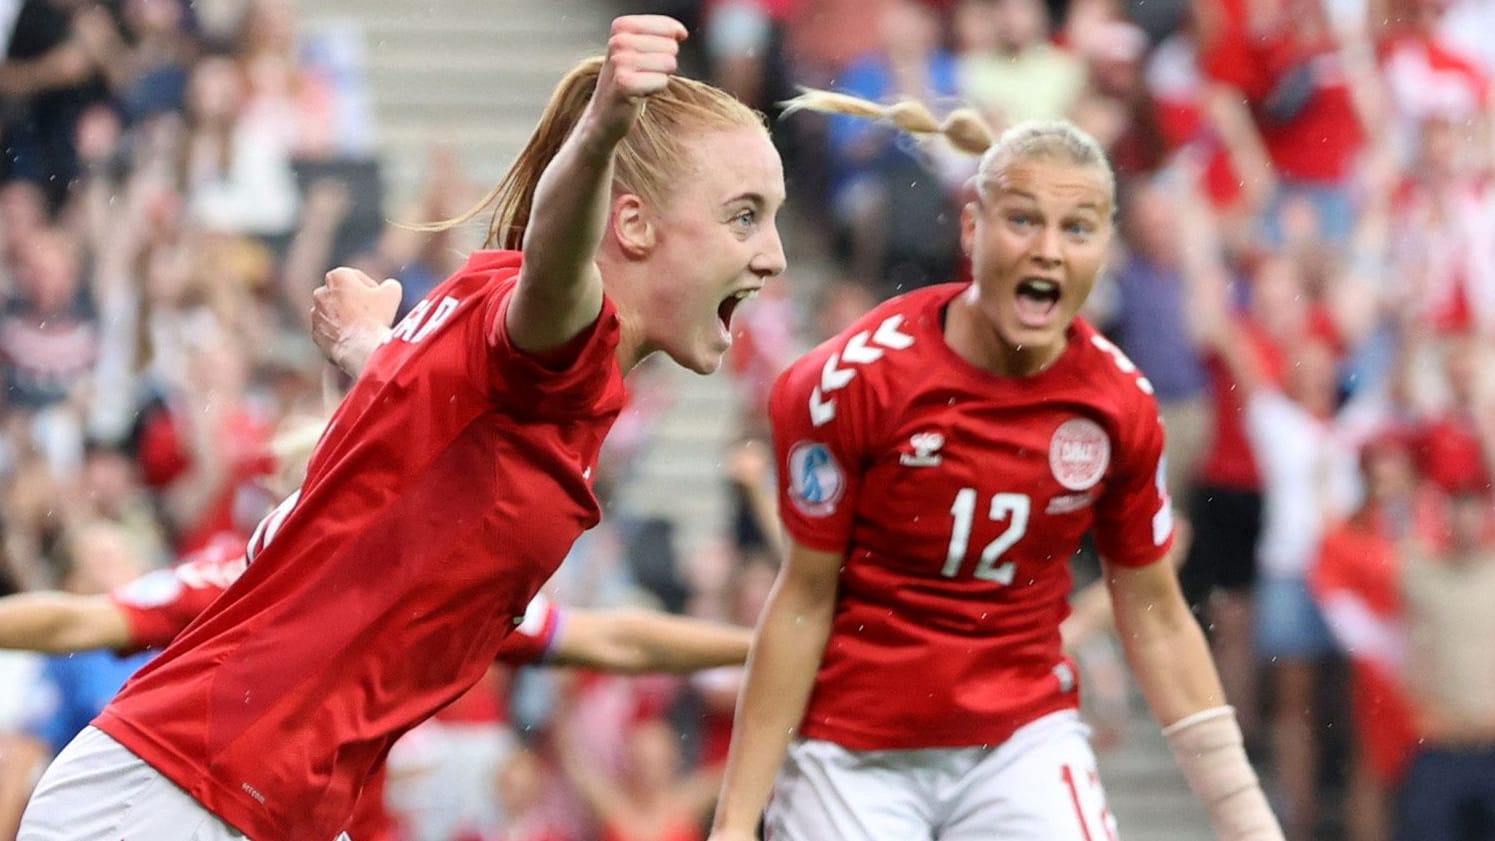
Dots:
{"x": 644, "y": 163}
{"x": 965, "y": 130}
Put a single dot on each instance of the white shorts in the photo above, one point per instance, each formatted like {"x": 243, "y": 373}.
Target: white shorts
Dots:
{"x": 96, "y": 790}
{"x": 1040, "y": 785}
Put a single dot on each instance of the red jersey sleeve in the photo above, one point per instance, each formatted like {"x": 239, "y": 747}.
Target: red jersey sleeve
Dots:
{"x": 818, "y": 408}
{"x": 564, "y": 383}
{"x": 533, "y": 639}
{"x": 1134, "y": 519}
{"x": 159, "y": 605}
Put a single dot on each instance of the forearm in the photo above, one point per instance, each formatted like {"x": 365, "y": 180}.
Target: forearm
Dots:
{"x": 59, "y": 623}
{"x": 1170, "y": 659}
{"x": 64, "y": 65}
{"x": 781, "y": 673}
{"x": 654, "y": 642}
{"x": 1230, "y": 116}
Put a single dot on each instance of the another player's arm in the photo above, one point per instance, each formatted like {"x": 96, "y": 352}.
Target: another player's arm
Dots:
{"x": 639, "y": 641}
{"x": 62, "y": 623}
{"x": 560, "y": 287}
{"x": 1168, "y": 655}
{"x": 786, "y": 654}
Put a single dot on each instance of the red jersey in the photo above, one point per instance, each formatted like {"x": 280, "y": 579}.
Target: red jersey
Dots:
{"x": 384, "y": 587}
{"x": 957, "y": 498}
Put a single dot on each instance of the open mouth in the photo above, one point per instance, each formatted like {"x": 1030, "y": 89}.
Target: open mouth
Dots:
{"x": 728, "y": 306}
{"x": 1037, "y": 301}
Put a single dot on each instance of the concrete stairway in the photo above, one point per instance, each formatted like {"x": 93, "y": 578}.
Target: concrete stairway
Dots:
{"x": 472, "y": 73}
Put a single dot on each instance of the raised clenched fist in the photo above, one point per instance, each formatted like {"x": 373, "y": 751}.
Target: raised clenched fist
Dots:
{"x": 643, "y": 51}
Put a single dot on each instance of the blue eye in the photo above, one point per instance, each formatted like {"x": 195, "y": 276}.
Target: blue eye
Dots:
{"x": 1020, "y": 219}
{"x": 746, "y": 219}
{"x": 1078, "y": 229}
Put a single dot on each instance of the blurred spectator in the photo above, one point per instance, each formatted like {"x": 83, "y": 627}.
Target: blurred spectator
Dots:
{"x": 651, "y": 799}
{"x": 1280, "y": 58}
{"x": 1444, "y": 220}
{"x": 238, "y": 161}
{"x": 1009, "y": 69}
{"x": 1115, "y": 106}
{"x": 1151, "y": 324}
{"x": 1357, "y": 583}
{"x": 145, "y": 54}
{"x": 888, "y": 205}
{"x": 47, "y": 78}
{"x": 1451, "y": 678}
{"x": 48, "y": 331}
{"x": 1428, "y": 76}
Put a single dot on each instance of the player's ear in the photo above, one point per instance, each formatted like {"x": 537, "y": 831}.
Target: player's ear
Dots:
{"x": 633, "y": 227}
{"x": 968, "y": 226}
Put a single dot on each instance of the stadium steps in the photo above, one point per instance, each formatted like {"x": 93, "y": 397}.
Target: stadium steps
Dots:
{"x": 472, "y": 73}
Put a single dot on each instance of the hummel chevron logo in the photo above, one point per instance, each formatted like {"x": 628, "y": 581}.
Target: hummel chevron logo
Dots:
{"x": 857, "y": 351}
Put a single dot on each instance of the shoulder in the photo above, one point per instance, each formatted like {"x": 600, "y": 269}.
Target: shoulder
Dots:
{"x": 869, "y": 358}
{"x": 1118, "y": 383}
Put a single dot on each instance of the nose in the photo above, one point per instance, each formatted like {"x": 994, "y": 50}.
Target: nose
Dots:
{"x": 1047, "y": 250}
{"x": 770, "y": 260}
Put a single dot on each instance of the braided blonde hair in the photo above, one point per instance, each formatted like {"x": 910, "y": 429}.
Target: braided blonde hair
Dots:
{"x": 1057, "y": 140}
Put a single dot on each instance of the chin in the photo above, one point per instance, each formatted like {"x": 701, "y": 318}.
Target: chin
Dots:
{"x": 698, "y": 361}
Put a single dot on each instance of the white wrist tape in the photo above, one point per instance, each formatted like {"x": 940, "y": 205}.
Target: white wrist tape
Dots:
{"x": 1209, "y": 750}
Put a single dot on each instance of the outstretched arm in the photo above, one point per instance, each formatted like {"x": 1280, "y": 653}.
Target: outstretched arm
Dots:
{"x": 62, "y": 623}
{"x": 560, "y": 287}
{"x": 639, "y": 641}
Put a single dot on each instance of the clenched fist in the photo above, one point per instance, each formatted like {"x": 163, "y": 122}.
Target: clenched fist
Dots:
{"x": 351, "y": 315}
{"x": 642, "y": 53}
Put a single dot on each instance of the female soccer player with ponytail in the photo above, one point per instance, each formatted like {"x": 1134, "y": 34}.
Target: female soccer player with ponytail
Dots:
{"x": 938, "y": 463}
{"x": 455, "y": 475}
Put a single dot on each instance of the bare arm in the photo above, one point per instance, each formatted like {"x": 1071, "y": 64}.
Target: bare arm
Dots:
{"x": 1228, "y": 113}
{"x": 1170, "y": 659}
{"x": 560, "y": 287}
{"x": 1162, "y": 640}
{"x": 639, "y": 641}
{"x": 66, "y": 64}
{"x": 61, "y": 623}
{"x": 787, "y": 648}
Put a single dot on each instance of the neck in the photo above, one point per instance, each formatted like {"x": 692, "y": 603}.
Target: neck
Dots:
{"x": 633, "y": 348}
{"x": 978, "y": 341}
{"x": 618, "y": 283}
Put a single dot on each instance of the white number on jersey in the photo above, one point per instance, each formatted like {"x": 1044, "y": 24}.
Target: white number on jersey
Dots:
{"x": 268, "y": 527}
{"x": 1012, "y": 508}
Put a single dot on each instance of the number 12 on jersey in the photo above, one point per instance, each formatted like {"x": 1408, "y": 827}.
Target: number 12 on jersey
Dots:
{"x": 1010, "y": 508}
